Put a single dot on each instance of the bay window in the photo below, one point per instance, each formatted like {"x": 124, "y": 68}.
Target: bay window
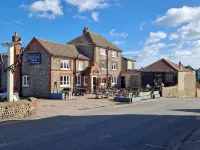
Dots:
{"x": 114, "y": 80}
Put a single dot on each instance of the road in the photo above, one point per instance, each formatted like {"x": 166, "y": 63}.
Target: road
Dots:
{"x": 164, "y": 124}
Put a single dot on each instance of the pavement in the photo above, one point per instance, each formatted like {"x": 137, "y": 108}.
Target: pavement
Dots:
{"x": 171, "y": 124}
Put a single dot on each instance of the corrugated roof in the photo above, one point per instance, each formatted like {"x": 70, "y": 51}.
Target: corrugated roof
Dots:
{"x": 90, "y": 38}
{"x": 164, "y": 65}
{"x": 64, "y": 50}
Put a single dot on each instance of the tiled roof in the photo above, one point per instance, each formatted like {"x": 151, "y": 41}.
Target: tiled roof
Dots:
{"x": 164, "y": 65}
{"x": 58, "y": 49}
{"x": 90, "y": 38}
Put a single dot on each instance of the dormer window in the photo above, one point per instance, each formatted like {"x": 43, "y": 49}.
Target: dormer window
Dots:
{"x": 102, "y": 52}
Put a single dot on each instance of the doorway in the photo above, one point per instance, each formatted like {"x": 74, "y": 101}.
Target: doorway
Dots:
{"x": 122, "y": 82}
{"x": 94, "y": 83}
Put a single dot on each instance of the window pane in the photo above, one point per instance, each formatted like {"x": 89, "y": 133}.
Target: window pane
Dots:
{"x": 27, "y": 81}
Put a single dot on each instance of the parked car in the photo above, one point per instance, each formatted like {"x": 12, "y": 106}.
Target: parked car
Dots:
{"x": 4, "y": 95}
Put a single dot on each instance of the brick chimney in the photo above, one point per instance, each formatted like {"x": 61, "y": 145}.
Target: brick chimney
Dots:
{"x": 180, "y": 65}
{"x": 17, "y": 74}
{"x": 85, "y": 30}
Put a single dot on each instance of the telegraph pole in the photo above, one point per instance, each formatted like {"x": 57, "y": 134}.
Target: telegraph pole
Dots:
{"x": 10, "y": 73}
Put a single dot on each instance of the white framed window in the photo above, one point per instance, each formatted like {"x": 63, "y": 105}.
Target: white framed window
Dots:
{"x": 114, "y": 80}
{"x": 114, "y": 54}
{"x": 78, "y": 80}
{"x": 103, "y": 65}
{"x": 85, "y": 80}
{"x": 64, "y": 81}
{"x": 25, "y": 81}
{"x": 114, "y": 66}
{"x": 65, "y": 64}
{"x": 102, "y": 52}
{"x": 81, "y": 65}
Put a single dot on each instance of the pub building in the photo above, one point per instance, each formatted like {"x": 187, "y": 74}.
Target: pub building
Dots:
{"x": 84, "y": 62}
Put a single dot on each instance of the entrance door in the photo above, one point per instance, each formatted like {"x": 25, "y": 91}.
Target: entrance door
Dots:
{"x": 122, "y": 82}
{"x": 94, "y": 83}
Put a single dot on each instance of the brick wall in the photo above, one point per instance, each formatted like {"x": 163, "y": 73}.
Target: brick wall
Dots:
{"x": 187, "y": 84}
{"x": 132, "y": 79}
{"x": 56, "y": 72}
{"x": 38, "y": 74}
{"x": 4, "y": 74}
{"x": 198, "y": 92}
{"x": 170, "y": 92}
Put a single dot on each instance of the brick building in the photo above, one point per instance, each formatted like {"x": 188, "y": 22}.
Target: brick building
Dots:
{"x": 47, "y": 64}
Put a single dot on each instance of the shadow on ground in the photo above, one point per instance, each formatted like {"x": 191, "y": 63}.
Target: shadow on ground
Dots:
{"x": 128, "y": 131}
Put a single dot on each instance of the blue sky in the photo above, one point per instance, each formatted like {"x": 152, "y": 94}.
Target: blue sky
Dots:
{"x": 146, "y": 30}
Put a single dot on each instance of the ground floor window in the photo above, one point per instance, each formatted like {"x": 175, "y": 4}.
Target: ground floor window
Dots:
{"x": 78, "y": 80}
{"x": 25, "y": 81}
{"x": 85, "y": 80}
{"x": 64, "y": 81}
{"x": 114, "y": 80}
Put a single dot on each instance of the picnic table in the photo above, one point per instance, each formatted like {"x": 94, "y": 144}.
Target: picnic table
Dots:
{"x": 81, "y": 91}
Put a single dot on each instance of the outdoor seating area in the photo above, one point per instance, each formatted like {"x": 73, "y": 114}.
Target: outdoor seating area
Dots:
{"x": 128, "y": 94}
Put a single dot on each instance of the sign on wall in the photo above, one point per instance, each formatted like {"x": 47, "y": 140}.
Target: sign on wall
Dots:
{"x": 34, "y": 58}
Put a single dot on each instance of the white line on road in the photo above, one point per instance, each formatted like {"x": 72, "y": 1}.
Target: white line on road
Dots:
{"x": 103, "y": 137}
{"x": 198, "y": 118}
{"x": 4, "y": 144}
{"x": 157, "y": 146}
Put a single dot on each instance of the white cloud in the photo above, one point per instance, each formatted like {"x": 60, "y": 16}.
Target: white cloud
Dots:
{"x": 196, "y": 43}
{"x": 45, "y": 9}
{"x": 173, "y": 36}
{"x": 141, "y": 26}
{"x": 172, "y": 45}
{"x": 95, "y": 16}
{"x": 118, "y": 42}
{"x": 80, "y": 17}
{"x": 113, "y": 33}
{"x": 88, "y": 5}
{"x": 155, "y": 37}
{"x": 178, "y": 16}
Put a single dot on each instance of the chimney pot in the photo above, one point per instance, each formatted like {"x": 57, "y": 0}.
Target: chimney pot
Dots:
{"x": 85, "y": 30}
{"x": 180, "y": 65}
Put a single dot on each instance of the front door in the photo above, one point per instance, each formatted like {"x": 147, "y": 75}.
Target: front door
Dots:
{"x": 94, "y": 83}
{"x": 122, "y": 82}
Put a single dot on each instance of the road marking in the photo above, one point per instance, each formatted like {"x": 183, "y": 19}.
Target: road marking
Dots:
{"x": 198, "y": 118}
{"x": 157, "y": 146}
{"x": 103, "y": 137}
{"x": 110, "y": 137}
{"x": 197, "y": 141}
{"x": 4, "y": 144}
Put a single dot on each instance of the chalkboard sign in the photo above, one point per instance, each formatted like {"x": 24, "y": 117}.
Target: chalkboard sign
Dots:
{"x": 34, "y": 58}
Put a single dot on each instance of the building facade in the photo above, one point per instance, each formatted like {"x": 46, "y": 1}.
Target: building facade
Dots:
{"x": 103, "y": 54}
{"x": 87, "y": 61}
